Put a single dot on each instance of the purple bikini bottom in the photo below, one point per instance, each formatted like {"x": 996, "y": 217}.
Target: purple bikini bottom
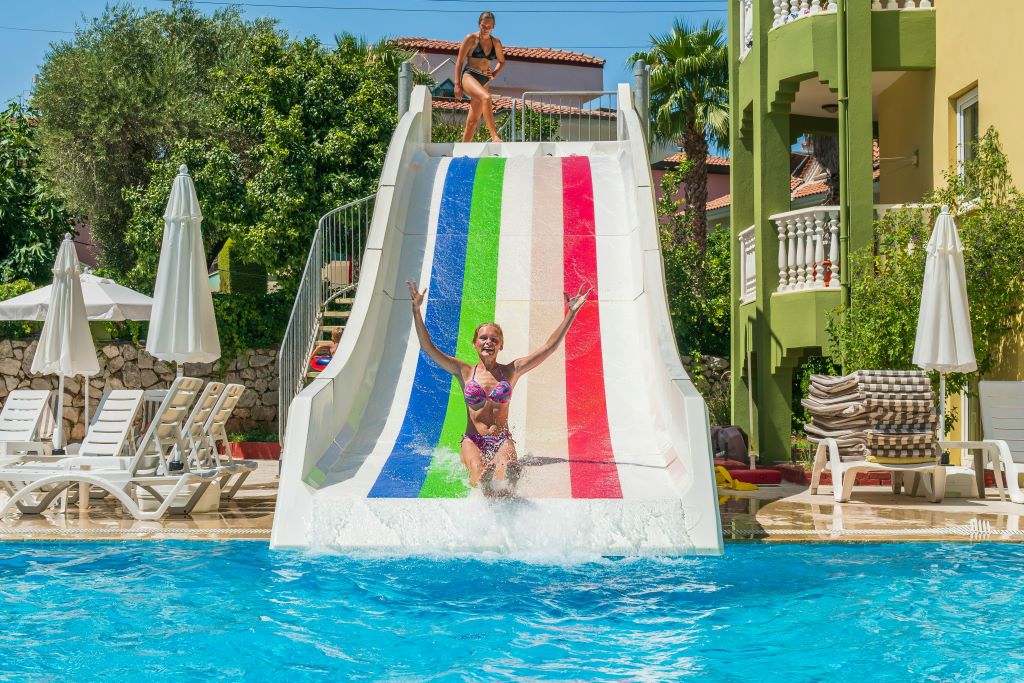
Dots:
{"x": 487, "y": 443}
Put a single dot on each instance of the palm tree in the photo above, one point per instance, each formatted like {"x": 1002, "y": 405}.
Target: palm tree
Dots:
{"x": 690, "y": 103}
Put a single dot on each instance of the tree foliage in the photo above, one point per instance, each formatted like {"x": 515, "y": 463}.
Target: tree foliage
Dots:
{"x": 119, "y": 95}
{"x": 690, "y": 102}
{"x": 303, "y": 129}
{"x": 878, "y": 328}
{"x": 697, "y": 279}
{"x": 32, "y": 218}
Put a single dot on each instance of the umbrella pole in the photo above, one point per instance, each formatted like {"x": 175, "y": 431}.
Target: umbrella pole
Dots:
{"x": 86, "y": 403}
{"x": 942, "y": 406}
{"x": 58, "y": 432}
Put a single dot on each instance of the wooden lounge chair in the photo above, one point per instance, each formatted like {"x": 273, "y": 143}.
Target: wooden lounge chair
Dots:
{"x": 20, "y": 421}
{"x": 147, "y": 469}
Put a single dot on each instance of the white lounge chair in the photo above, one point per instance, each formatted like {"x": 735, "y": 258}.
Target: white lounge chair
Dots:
{"x": 1002, "y": 423}
{"x": 844, "y": 474}
{"x": 219, "y": 451}
{"x": 147, "y": 469}
{"x": 21, "y": 420}
{"x": 108, "y": 434}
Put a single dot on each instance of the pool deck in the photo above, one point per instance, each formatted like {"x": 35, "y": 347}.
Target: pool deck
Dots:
{"x": 773, "y": 513}
{"x": 249, "y": 515}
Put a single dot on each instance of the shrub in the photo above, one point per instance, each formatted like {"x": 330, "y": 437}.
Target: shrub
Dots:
{"x": 239, "y": 276}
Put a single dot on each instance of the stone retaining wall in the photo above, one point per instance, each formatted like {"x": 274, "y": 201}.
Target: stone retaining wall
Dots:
{"x": 125, "y": 366}
{"x": 711, "y": 376}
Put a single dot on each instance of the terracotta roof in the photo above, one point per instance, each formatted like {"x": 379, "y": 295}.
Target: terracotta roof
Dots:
{"x": 526, "y": 54}
{"x": 719, "y": 202}
{"x": 503, "y": 104}
{"x": 681, "y": 156}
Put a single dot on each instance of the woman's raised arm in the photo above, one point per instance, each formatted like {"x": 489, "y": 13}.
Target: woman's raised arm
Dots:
{"x": 527, "y": 363}
{"x": 451, "y": 365}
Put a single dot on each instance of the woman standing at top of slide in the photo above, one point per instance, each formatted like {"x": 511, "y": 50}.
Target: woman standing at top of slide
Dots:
{"x": 474, "y": 75}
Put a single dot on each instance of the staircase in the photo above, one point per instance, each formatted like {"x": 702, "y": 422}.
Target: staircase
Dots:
{"x": 324, "y": 298}
{"x": 335, "y": 316}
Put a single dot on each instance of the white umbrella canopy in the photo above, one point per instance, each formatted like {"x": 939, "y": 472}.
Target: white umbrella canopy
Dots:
{"x": 104, "y": 300}
{"x": 65, "y": 345}
{"x": 944, "y": 341}
{"x": 182, "y": 326}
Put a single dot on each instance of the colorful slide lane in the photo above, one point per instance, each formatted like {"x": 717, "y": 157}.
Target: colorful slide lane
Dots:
{"x": 612, "y": 462}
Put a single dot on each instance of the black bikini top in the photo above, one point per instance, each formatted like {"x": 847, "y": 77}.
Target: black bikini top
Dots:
{"x": 478, "y": 51}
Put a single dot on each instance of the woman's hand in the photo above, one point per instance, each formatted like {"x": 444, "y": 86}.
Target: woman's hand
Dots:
{"x": 576, "y": 303}
{"x": 415, "y": 294}
{"x": 458, "y": 91}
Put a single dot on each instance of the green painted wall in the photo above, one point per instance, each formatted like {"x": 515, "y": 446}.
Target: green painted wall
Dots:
{"x": 779, "y": 331}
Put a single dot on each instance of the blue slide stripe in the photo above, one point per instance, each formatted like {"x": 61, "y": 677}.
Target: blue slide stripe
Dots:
{"x": 406, "y": 468}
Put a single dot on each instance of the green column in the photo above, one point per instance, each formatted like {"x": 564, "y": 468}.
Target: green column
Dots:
{"x": 860, "y": 132}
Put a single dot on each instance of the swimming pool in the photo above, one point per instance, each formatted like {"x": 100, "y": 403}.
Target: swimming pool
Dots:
{"x": 191, "y": 611}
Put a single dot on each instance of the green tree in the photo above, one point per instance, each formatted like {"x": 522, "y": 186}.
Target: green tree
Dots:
{"x": 878, "y": 328}
{"x": 119, "y": 94}
{"x": 301, "y": 130}
{"x": 697, "y": 279}
{"x": 690, "y": 103}
{"x": 32, "y": 219}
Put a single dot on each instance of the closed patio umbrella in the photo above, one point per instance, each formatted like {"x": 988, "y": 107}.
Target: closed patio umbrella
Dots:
{"x": 182, "y": 327}
{"x": 944, "y": 342}
{"x": 65, "y": 345}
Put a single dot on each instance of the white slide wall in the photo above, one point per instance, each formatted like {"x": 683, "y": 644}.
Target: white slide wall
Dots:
{"x": 346, "y": 428}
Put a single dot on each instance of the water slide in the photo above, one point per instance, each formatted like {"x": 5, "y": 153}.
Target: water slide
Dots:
{"x": 611, "y": 433}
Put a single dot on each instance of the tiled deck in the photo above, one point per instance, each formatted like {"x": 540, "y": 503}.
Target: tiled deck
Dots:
{"x": 249, "y": 516}
{"x": 790, "y": 513}
{"x": 772, "y": 513}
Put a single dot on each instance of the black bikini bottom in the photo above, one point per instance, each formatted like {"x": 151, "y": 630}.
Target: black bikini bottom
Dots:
{"x": 482, "y": 79}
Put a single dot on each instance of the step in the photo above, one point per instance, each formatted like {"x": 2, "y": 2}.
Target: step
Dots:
{"x": 337, "y": 314}
{"x": 331, "y": 328}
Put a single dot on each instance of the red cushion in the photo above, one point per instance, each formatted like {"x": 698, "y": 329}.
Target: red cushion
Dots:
{"x": 730, "y": 464}
{"x": 758, "y": 476}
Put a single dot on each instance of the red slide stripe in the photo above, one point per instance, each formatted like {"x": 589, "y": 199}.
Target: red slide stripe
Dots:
{"x": 592, "y": 471}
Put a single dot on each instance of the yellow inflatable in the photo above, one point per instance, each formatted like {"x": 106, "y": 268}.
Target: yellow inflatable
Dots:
{"x": 726, "y": 481}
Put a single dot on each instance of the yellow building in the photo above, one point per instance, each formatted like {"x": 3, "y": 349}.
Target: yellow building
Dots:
{"x": 935, "y": 114}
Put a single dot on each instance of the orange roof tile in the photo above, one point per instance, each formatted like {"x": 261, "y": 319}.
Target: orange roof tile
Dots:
{"x": 502, "y": 103}
{"x": 526, "y": 54}
{"x": 681, "y": 156}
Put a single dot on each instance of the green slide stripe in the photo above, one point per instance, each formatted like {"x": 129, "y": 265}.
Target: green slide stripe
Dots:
{"x": 447, "y": 477}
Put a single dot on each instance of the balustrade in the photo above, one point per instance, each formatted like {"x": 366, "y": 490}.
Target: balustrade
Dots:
{"x": 808, "y": 248}
{"x": 748, "y": 265}
{"x": 791, "y": 10}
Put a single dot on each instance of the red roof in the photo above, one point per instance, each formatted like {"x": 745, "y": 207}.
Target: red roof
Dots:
{"x": 525, "y": 54}
{"x": 503, "y": 104}
{"x": 679, "y": 157}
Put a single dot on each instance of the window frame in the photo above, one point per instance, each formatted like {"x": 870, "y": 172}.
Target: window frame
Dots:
{"x": 963, "y": 103}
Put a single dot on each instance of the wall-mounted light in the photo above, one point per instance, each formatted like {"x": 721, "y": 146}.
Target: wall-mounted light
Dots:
{"x": 831, "y": 108}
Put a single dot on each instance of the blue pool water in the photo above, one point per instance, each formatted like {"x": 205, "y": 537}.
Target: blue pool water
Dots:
{"x": 202, "y": 611}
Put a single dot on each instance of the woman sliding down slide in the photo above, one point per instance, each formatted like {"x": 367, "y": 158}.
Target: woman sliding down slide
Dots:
{"x": 488, "y": 451}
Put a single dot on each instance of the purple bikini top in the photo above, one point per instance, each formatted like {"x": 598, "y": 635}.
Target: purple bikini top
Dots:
{"x": 476, "y": 397}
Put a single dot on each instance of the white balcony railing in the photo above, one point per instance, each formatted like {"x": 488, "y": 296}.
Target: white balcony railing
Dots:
{"x": 808, "y": 248}
{"x": 746, "y": 27}
{"x": 748, "y": 265}
{"x": 791, "y": 10}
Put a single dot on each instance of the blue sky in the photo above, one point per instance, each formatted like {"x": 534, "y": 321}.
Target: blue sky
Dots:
{"x": 612, "y": 29}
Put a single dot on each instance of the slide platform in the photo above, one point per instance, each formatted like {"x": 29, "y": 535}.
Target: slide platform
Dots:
{"x": 611, "y": 434}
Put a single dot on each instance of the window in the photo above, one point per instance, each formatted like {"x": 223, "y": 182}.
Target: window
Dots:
{"x": 445, "y": 89}
{"x": 966, "y": 129}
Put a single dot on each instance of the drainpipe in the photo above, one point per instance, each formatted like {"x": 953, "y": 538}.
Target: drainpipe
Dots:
{"x": 404, "y": 88}
{"x": 844, "y": 143}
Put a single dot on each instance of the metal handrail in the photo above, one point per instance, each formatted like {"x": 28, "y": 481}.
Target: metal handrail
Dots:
{"x": 332, "y": 269}
{"x": 576, "y": 122}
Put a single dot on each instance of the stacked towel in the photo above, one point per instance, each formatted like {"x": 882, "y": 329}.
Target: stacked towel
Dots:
{"x": 885, "y": 416}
